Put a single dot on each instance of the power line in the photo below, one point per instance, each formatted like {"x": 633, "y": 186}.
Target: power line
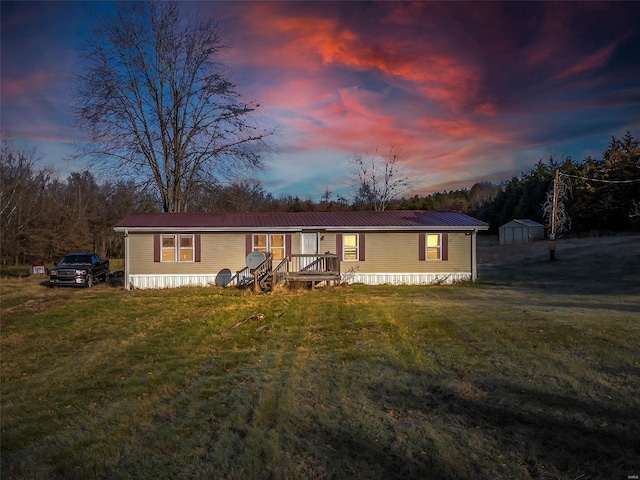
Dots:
{"x": 637, "y": 180}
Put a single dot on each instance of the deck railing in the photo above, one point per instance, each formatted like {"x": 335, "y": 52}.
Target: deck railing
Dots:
{"x": 241, "y": 278}
{"x": 326, "y": 263}
{"x": 306, "y": 267}
{"x": 279, "y": 273}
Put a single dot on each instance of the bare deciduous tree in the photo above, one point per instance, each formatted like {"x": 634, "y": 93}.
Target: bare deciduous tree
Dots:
{"x": 22, "y": 189}
{"x": 156, "y": 99}
{"x": 377, "y": 179}
{"x": 554, "y": 209}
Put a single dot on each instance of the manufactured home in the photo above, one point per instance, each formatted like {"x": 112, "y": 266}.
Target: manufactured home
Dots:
{"x": 165, "y": 250}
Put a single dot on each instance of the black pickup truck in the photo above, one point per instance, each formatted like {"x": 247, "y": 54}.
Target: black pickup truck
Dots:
{"x": 79, "y": 269}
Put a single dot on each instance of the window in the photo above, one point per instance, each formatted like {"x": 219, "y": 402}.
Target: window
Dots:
{"x": 277, "y": 247}
{"x": 168, "y": 248}
{"x": 186, "y": 248}
{"x": 178, "y": 248}
{"x": 260, "y": 243}
{"x": 350, "y": 246}
{"x": 434, "y": 247}
{"x": 270, "y": 243}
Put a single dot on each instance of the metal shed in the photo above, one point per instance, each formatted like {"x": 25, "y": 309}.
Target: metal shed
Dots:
{"x": 521, "y": 231}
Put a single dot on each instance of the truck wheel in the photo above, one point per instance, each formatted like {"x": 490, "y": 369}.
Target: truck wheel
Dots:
{"x": 106, "y": 278}
{"x": 89, "y": 281}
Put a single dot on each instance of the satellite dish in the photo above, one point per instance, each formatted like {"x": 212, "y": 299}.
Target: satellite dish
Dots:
{"x": 255, "y": 259}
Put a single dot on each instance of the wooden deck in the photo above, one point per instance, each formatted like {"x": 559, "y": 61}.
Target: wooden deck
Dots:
{"x": 314, "y": 268}
{"x": 312, "y": 277}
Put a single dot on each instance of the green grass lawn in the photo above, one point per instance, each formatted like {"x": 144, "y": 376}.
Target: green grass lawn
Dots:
{"x": 507, "y": 378}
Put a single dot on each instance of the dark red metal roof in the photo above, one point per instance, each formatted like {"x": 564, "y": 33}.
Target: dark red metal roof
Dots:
{"x": 396, "y": 219}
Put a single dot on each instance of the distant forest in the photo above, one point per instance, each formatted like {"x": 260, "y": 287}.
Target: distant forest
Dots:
{"x": 42, "y": 218}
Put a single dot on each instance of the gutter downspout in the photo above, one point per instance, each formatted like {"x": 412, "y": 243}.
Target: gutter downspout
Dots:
{"x": 474, "y": 260}
{"x": 126, "y": 260}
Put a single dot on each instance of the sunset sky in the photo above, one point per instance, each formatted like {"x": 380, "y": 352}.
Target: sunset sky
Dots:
{"x": 464, "y": 91}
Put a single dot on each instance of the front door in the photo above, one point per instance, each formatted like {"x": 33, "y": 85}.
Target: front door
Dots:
{"x": 309, "y": 247}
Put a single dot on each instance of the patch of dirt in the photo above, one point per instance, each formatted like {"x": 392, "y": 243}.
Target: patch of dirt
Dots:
{"x": 12, "y": 340}
{"x": 35, "y": 304}
{"x": 464, "y": 390}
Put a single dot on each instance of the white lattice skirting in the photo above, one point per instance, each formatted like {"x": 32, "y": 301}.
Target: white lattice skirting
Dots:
{"x": 175, "y": 281}
{"x": 171, "y": 281}
{"x": 406, "y": 278}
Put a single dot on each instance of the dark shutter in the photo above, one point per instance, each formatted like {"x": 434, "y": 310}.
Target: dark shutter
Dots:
{"x": 445, "y": 246}
{"x": 248, "y": 244}
{"x": 422, "y": 247}
{"x": 339, "y": 245}
{"x": 287, "y": 245}
{"x": 156, "y": 247}
{"x": 361, "y": 247}
{"x": 197, "y": 247}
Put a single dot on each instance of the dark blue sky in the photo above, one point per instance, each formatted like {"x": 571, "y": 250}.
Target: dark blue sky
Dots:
{"x": 464, "y": 91}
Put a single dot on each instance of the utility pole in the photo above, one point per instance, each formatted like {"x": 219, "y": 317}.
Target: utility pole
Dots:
{"x": 554, "y": 216}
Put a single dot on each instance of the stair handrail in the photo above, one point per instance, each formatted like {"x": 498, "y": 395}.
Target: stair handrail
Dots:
{"x": 279, "y": 274}
{"x": 261, "y": 271}
{"x": 242, "y": 277}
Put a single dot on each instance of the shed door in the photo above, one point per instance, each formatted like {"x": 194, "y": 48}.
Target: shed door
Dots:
{"x": 310, "y": 247}
{"x": 508, "y": 235}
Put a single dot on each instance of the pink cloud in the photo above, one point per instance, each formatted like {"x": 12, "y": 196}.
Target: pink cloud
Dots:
{"x": 449, "y": 125}
{"x": 590, "y": 62}
{"x": 314, "y": 44}
{"x": 566, "y": 52}
{"x": 462, "y": 89}
{"x": 37, "y": 81}
{"x": 320, "y": 111}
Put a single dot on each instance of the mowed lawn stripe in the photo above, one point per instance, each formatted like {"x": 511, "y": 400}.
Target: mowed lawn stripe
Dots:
{"x": 480, "y": 380}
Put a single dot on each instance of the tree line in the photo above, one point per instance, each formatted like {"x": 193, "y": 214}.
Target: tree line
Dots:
{"x": 172, "y": 133}
{"x": 43, "y": 217}
{"x": 602, "y": 193}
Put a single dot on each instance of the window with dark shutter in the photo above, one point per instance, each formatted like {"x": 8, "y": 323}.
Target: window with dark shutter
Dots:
{"x": 176, "y": 248}
{"x": 433, "y": 246}
{"x": 350, "y": 247}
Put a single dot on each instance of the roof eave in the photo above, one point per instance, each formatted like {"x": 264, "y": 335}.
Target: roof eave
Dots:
{"x": 419, "y": 228}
